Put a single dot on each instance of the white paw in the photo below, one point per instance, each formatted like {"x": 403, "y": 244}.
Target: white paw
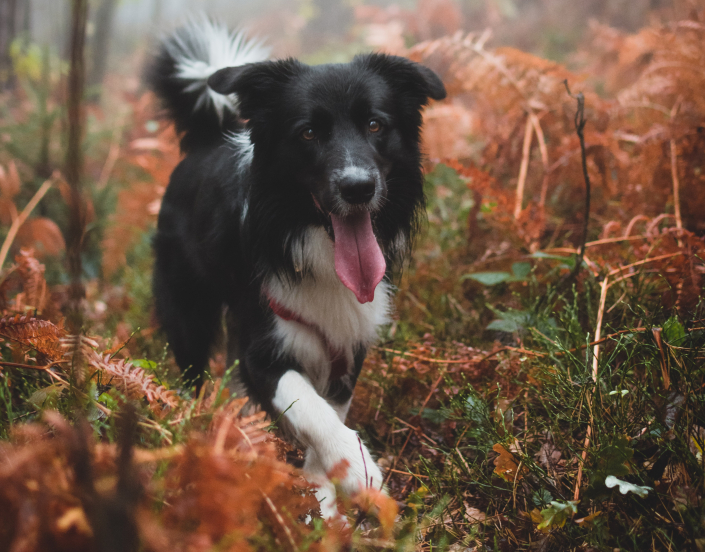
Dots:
{"x": 362, "y": 471}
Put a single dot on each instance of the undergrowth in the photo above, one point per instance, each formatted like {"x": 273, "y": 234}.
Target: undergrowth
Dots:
{"x": 520, "y": 400}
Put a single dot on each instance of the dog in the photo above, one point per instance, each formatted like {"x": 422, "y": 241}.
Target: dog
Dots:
{"x": 297, "y": 200}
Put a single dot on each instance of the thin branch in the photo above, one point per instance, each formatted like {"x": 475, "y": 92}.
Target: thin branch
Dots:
{"x": 425, "y": 359}
{"x": 74, "y": 163}
{"x": 595, "y": 366}
{"x": 674, "y": 173}
{"x": 579, "y": 129}
{"x": 19, "y": 221}
{"x": 540, "y": 138}
{"x": 27, "y": 366}
{"x": 524, "y": 168}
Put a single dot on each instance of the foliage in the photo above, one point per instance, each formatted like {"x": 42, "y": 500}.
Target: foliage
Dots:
{"x": 518, "y": 401}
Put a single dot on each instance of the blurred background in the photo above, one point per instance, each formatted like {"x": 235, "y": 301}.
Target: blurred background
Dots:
{"x": 515, "y": 274}
{"x": 118, "y": 29}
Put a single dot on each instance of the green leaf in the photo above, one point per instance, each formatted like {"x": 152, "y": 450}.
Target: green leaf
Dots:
{"x": 613, "y": 459}
{"x": 47, "y": 397}
{"x": 477, "y": 409}
{"x": 568, "y": 262}
{"x": 673, "y": 331}
{"x": 436, "y": 416}
{"x": 626, "y": 487}
{"x": 557, "y": 514}
{"x": 521, "y": 270}
{"x": 511, "y": 321}
{"x": 145, "y": 364}
{"x": 488, "y": 278}
{"x": 109, "y": 401}
{"x": 541, "y": 497}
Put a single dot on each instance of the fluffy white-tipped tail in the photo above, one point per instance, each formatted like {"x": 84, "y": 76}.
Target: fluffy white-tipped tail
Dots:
{"x": 203, "y": 47}
{"x": 179, "y": 73}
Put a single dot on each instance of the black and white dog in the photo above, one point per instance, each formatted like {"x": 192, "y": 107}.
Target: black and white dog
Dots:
{"x": 298, "y": 196}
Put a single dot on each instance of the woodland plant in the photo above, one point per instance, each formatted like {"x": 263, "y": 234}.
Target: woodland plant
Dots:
{"x": 527, "y": 396}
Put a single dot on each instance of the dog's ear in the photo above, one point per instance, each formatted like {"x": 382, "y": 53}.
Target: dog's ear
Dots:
{"x": 407, "y": 78}
{"x": 257, "y": 85}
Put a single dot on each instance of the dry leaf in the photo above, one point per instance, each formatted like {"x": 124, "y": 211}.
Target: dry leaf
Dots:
{"x": 505, "y": 465}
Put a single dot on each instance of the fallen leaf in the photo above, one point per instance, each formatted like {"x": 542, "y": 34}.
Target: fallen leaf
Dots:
{"x": 625, "y": 486}
{"x": 557, "y": 514}
{"x": 505, "y": 465}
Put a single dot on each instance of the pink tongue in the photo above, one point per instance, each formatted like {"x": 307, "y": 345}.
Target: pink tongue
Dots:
{"x": 359, "y": 262}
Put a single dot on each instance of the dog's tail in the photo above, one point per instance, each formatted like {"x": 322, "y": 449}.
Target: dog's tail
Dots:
{"x": 178, "y": 74}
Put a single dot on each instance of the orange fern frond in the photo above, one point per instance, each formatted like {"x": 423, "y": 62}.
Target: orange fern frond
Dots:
{"x": 131, "y": 380}
{"x": 34, "y": 334}
{"x": 78, "y": 349}
{"x": 34, "y": 293}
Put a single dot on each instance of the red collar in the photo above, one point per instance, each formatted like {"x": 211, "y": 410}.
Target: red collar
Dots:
{"x": 338, "y": 358}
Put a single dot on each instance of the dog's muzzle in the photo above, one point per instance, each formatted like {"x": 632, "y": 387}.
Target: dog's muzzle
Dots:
{"x": 359, "y": 188}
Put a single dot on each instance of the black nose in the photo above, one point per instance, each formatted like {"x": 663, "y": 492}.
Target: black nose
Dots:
{"x": 357, "y": 189}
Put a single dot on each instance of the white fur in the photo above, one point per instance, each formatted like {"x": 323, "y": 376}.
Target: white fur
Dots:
{"x": 204, "y": 47}
{"x": 322, "y": 299}
{"x": 318, "y": 426}
{"x": 352, "y": 171}
{"x": 359, "y": 173}
{"x": 243, "y": 147}
{"x": 342, "y": 409}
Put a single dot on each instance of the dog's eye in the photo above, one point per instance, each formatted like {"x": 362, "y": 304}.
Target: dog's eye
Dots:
{"x": 308, "y": 134}
{"x": 374, "y": 125}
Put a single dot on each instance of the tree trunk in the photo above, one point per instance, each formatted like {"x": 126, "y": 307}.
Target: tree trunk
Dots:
{"x": 100, "y": 48}
{"x": 74, "y": 164}
{"x": 8, "y": 32}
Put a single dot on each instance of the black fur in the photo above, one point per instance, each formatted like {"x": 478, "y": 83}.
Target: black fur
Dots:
{"x": 207, "y": 258}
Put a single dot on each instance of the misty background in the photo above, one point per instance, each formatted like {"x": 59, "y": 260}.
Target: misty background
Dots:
{"x": 317, "y": 30}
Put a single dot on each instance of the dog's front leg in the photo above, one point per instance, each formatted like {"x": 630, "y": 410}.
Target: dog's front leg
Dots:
{"x": 318, "y": 426}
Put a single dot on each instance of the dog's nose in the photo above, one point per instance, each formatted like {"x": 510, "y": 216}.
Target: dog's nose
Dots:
{"x": 357, "y": 189}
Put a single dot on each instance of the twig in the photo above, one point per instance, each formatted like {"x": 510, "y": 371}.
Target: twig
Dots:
{"x": 280, "y": 519}
{"x": 615, "y": 240}
{"x": 644, "y": 261}
{"x": 653, "y": 225}
{"x": 602, "y": 340}
{"x": 632, "y": 223}
{"x": 425, "y": 359}
{"x": 595, "y": 359}
{"x": 516, "y": 349}
{"x": 523, "y": 169}
{"x": 74, "y": 164}
{"x": 409, "y": 474}
{"x": 26, "y": 366}
{"x": 595, "y": 365}
{"x": 579, "y": 129}
{"x": 674, "y": 172}
{"x": 19, "y": 221}
{"x": 544, "y": 157}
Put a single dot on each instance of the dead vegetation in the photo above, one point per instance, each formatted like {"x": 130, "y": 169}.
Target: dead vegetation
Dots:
{"x": 521, "y": 400}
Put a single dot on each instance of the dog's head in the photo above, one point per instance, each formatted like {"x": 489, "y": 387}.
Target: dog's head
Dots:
{"x": 343, "y": 139}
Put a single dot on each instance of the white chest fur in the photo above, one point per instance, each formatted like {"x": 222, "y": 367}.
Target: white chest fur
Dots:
{"x": 324, "y": 302}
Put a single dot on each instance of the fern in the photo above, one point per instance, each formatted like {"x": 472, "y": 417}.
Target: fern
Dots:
{"x": 131, "y": 380}
{"x": 34, "y": 292}
{"x": 30, "y": 333}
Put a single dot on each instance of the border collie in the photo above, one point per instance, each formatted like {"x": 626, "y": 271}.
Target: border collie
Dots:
{"x": 297, "y": 198}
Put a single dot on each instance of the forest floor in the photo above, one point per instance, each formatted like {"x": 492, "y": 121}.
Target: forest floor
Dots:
{"x": 540, "y": 388}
